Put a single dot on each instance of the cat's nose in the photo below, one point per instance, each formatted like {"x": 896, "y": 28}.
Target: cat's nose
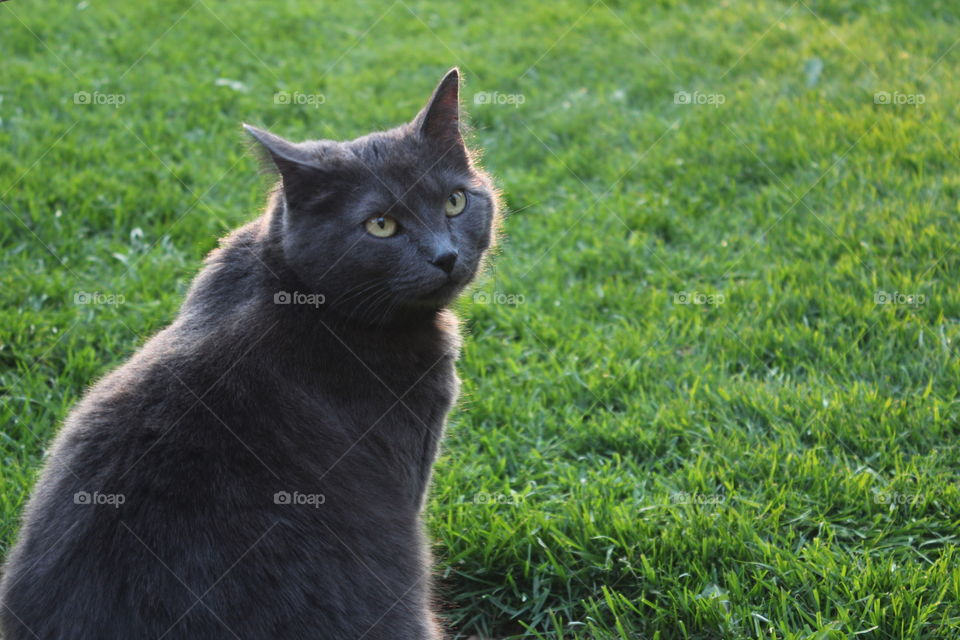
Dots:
{"x": 445, "y": 259}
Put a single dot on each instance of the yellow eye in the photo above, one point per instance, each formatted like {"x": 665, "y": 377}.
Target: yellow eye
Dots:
{"x": 381, "y": 226}
{"x": 455, "y": 203}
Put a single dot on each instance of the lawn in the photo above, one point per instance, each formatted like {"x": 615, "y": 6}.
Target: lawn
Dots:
{"x": 710, "y": 380}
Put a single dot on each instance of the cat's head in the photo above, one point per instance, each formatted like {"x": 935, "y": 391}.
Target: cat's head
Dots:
{"x": 392, "y": 222}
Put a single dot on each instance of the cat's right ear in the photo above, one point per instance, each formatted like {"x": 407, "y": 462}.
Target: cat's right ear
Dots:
{"x": 439, "y": 121}
{"x": 298, "y": 169}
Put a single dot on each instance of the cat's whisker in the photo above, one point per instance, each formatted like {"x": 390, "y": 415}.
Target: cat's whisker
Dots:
{"x": 373, "y": 302}
{"x": 359, "y": 286}
{"x": 380, "y": 307}
{"x": 391, "y": 308}
{"x": 368, "y": 294}
{"x": 358, "y": 290}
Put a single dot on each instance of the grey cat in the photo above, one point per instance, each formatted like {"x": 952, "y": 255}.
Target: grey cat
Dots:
{"x": 259, "y": 468}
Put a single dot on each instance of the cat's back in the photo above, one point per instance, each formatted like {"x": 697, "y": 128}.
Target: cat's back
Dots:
{"x": 168, "y": 472}
{"x": 133, "y": 472}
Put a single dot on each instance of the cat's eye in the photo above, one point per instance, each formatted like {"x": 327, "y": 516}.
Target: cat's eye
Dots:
{"x": 381, "y": 226}
{"x": 455, "y": 203}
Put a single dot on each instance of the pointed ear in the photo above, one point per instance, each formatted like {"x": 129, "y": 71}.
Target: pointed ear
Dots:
{"x": 439, "y": 121}
{"x": 298, "y": 169}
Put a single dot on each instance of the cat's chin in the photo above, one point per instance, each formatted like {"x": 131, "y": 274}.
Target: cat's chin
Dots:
{"x": 440, "y": 297}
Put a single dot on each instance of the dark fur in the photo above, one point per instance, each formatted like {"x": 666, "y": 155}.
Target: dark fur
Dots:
{"x": 241, "y": 398}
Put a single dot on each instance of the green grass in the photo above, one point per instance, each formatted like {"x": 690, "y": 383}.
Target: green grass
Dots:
{"x": 780, "y": 462}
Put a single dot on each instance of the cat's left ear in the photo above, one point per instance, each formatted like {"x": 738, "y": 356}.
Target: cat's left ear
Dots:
{"x": 298, "y": 169}
{"x": 439, "y": 121}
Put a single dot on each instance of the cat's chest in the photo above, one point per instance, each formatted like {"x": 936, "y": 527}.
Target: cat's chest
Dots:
{"x": 361, "y": 387}
{"x": 373, "y": 425}
{"x": 416, "y": 383}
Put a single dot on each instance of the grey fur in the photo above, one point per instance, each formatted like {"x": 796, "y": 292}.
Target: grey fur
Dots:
{"x": 187, "y": 451}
